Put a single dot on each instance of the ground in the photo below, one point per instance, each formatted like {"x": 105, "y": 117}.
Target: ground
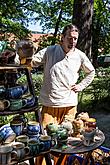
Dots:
{"x": 103, "y": 123}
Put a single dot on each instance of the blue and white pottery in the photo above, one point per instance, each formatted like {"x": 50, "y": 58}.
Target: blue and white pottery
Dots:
{"x": 33, "y": 127}
{"x": 16, "y": 92}
{"x": 17, "y": 127}
{"x": 36, "y": 137}
{"x": 29, "y": 100}
{"x": 7, "y": 135}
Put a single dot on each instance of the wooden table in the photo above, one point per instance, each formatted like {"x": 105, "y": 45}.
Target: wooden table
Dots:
{"x": 78, "y": 148}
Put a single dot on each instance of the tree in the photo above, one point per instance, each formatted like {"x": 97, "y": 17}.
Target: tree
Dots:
{"x": 54, "y": 14}
{"x": 14, "y": 16}
{"x": 101, "y": 29}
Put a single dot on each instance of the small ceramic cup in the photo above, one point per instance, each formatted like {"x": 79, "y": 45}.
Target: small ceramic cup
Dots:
{"x": 7, "y": 135}
{"x": 33, "y": 127}
{"x": 16, "y": 104}
{"x": 5, "y": 154}
{"x": 34, "y": 146}
{"x": 19, "y": 150}
{"x": 29, "y": 100}
{"x": 88, "y": 137}
{"x": 21, "y": 118}
{"x": 47, "y": 142}
{"x": 23, "y": 139}
{"x": 17, "y": 127}
{"x": 4, "y": 104}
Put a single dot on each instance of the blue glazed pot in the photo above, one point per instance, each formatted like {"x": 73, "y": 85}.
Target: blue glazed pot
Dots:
{"x": 7, "y": 134}
{"x": 33, "y": 128}
{"x": 16, "y": 92}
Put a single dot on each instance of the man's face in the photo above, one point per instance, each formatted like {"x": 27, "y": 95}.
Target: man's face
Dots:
{"x": 70, "y": 39}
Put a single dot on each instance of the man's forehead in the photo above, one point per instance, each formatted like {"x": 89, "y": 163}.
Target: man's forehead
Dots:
{"x": 72, "y": 32}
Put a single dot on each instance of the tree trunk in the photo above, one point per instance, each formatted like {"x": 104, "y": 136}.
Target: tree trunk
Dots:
{"x": 82, "y": 17}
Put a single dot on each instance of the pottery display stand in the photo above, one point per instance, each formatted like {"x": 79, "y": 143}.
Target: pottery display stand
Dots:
{"x": 35, "y": 108}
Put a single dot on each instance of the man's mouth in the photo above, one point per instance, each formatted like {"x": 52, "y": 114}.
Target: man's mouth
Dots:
{"x": 71, "y": 46}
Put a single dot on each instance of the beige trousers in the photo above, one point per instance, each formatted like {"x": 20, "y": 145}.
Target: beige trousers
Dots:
{"x": 54, "y": 115}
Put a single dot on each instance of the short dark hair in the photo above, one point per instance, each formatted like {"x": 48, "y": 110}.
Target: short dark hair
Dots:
{"x": 71, "y": 27}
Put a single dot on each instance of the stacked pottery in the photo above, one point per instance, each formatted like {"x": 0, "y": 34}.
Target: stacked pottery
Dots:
{"x": 33, "y": 129}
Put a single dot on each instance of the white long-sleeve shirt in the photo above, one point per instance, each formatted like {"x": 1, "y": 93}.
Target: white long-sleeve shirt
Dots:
{"x": 61, "y": 71}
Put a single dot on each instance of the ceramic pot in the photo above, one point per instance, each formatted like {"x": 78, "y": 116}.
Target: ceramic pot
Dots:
{"x": 88, "y": 137}
{"x": 33, "y": 127}
{"x": 19, "y": 150}
{"x": 7, "y": 135}
{"x": 16, "y": 92}
{"x": 52, "y": 128}
{"x": 21, "y": 118}
{"x": 35, "y": 147}
{"x": 47, "y": 142}
{"x": 62, "y": 133}
{"x": 17, "y": 127}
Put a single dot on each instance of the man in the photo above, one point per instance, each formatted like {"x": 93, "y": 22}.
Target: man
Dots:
{"x": 62, "y": 64}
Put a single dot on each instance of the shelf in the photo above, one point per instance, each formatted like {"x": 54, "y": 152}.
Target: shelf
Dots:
{"x": 35, "y": 108}
{"x": 12, "y": 66}
{"x": 20, "y": 111}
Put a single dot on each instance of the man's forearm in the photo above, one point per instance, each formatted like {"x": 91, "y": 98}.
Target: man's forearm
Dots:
{"x": 87, "y": 80}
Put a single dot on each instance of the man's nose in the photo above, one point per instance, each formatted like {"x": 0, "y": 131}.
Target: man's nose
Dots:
{"x": 71, "y": 41}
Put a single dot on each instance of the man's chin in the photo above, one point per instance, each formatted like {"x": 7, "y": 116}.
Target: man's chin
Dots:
{"x": 71, "y": 47}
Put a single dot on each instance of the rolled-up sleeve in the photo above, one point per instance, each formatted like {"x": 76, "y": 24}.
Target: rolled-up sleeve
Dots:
{"x": 38, "y": 58}
{"x": 88, "y": 68}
